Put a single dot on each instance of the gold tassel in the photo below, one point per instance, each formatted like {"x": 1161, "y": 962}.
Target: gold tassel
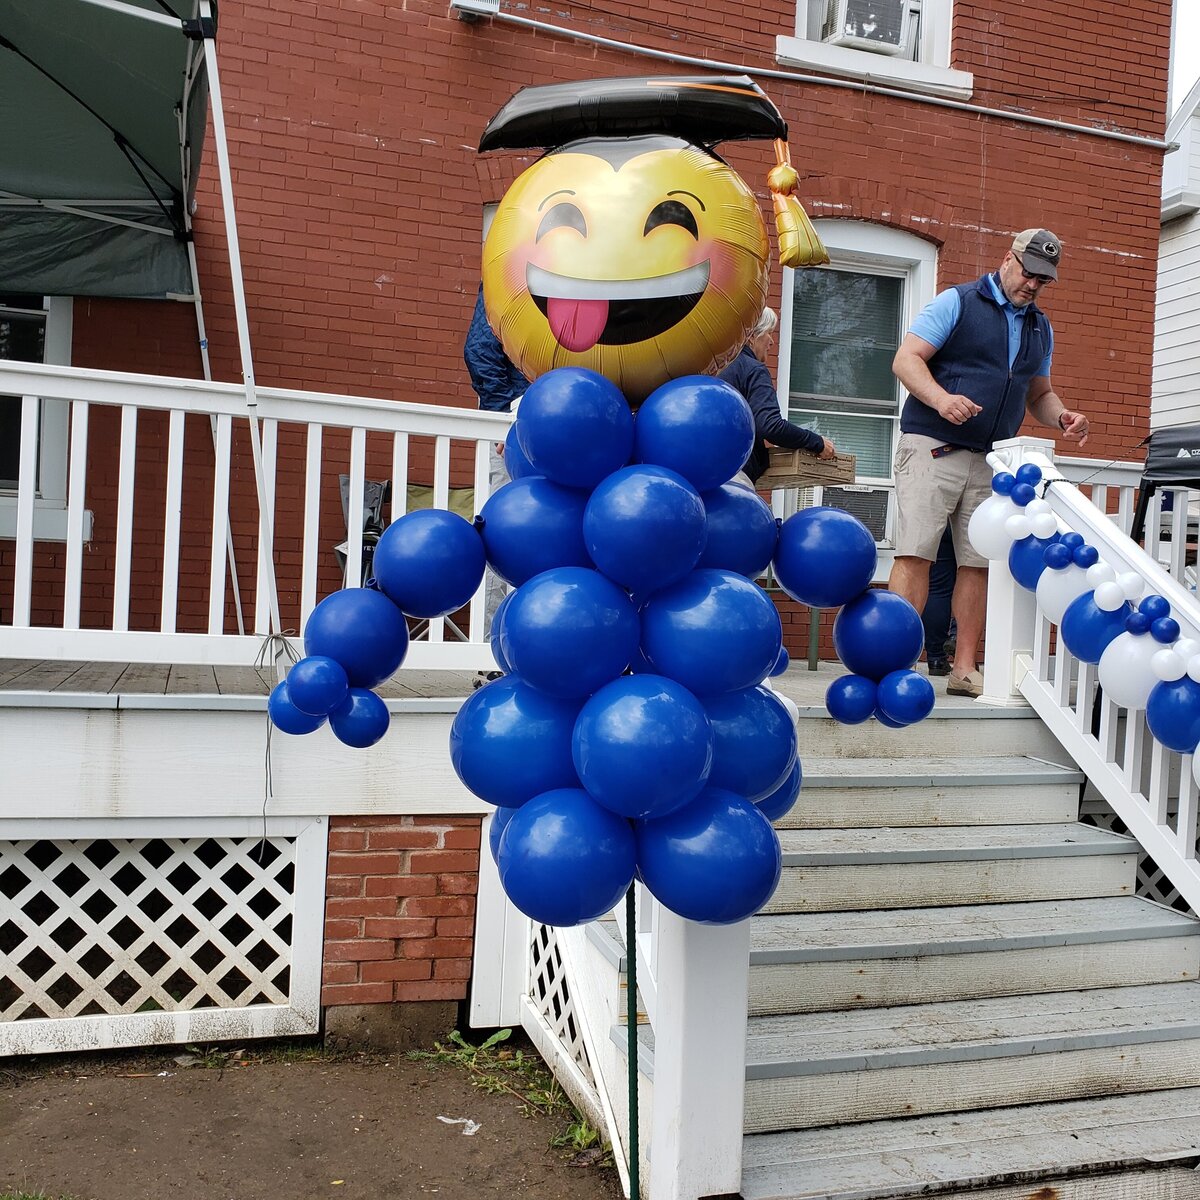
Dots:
{"x": 799, "y": 244}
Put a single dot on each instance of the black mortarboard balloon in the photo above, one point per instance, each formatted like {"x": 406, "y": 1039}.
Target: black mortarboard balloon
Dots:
{"x": 701, "y": 109}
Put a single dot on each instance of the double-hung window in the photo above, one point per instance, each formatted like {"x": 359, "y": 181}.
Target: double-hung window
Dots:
{"x": 898, "y": 43}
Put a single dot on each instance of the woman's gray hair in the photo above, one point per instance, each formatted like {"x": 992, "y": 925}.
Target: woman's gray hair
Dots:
{"x": 765, "y": 323}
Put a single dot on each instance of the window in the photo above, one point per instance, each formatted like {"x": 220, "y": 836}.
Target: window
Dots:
{"x": 841, "y": 326}
{"x": 897, "y": 43}
{"x": 35, "y": 329}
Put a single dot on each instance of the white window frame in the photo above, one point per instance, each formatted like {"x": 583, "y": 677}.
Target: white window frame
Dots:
{"x": 929, "y": 73}
{"x": 50, "y": 502}
{"x": 878, "y": 250}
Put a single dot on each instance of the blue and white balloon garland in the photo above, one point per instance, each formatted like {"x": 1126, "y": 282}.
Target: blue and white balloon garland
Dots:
{"x": 633, "y": 730}
{"x": 1142, "y": 661}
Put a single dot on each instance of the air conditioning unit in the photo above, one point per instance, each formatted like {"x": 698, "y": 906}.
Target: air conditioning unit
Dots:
{"x": 869, "y": 504}
{"x": 878, "y": 25}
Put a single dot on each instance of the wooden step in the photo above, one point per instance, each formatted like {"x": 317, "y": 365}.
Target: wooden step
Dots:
{"x": 1069, "y": 1150}
{"x": 972, "y": 731}
{"x": 817, "y": 1069}
{"x": 847, "y": 793}
{"x": 809, "y": 962}
{"x": 826, "y": 870}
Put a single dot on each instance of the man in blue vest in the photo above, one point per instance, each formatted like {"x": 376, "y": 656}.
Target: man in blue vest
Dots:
{"x": 976, "y": 359}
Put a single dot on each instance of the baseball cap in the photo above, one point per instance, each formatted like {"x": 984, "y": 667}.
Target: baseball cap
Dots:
{"x": 1038, "y": 251}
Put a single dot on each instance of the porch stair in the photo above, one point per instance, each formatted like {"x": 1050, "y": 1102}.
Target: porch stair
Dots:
{"x": 955, "y": 990}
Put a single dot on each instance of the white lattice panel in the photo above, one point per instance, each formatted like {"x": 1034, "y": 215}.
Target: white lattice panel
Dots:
{"x": 128, "y": 933}
{"x": 1151, "y": 881}
{"x": 550, "y": 994}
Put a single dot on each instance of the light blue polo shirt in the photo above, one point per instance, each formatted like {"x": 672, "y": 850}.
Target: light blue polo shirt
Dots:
{"x": 935, "y": 322}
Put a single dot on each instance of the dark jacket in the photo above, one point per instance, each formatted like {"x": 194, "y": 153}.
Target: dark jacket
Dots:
{"x": 753, "y": 380}
{"x": 494, "y": 377}
{"x": 974, "y": 363}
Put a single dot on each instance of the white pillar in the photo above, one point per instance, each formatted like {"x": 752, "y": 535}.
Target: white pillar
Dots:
{"x": 699, "y": 1059}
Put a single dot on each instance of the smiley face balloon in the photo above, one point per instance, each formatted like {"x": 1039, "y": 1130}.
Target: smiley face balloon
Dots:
{"x": 633, "y": 250}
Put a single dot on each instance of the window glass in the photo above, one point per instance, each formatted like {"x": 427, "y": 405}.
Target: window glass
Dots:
{"x": 845, "y": 332}
{"x": 23, "y": 339}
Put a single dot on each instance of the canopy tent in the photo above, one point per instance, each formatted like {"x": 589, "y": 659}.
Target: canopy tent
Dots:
{"x": 102, "y": 113}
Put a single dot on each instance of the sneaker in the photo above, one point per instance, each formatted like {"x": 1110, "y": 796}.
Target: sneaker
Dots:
{"x": 939, "y": 666}
{"x": 970, "y": 684}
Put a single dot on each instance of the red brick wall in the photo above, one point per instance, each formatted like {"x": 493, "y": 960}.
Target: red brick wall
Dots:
{"x": 399, "y": 908}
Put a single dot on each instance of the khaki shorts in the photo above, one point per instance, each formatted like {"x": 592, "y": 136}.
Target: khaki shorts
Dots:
{"x": 932, "y": 493}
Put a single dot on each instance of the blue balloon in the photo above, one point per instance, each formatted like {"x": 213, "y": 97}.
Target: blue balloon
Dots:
{"x": 905, "y": 696}
{"x": 716, "y": 860}
{"x": 361, "y": 629}
{"x": 1002, "y": 483}
{"x": 1085, "y": 556}
{"x": 509, "y": 742}
{"x": 878, "y": 632}
{"x": 643, "y": 746}
{"x": 515, "y": 462}
{"x": 698, "y": 426}
{"x": 531, "y": 525}
{"x": 781, "y": 663}
{"x": 1029, "y": 473}
{"x": 1072, "y": 540}
{"x": 1026, "y": 559}
{"x": 1057, "y": 556}
{"x": 564, "y": 859}
{"x": 317, "y": 685}
{"x": 575, "y": 426}
{"x": 783, "y": 799}
{"x": 714, "y": 631}
{"x": 1138, "y": 623}
{"x": 1173, "y": 714}
{"x": 1164, "y": 630}
{"x": 429, "y": 562}
{"x": 1155, "y": 606}
{"x": 644, "y": 527}
{"x": 570, "y": 631}
{"x": 1086, "y": 629}
{"x": 494, "y": 636}
{"x": 754, "y": 741}
{"x": 850, "y": 699}
{"x": 742, "y": 531}
{"x": 825, "y": 557}
{"x": 1022, "y": 494}
{"x": 285, "y": 716}
{"x": 361, "y": 719}
{"x": 496, "y": 828}
{"x": 889, "y": 722}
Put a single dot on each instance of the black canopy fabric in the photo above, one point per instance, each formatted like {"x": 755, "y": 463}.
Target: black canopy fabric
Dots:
{"x": 1173, "y": 456}
{"x": 102, "y": 115}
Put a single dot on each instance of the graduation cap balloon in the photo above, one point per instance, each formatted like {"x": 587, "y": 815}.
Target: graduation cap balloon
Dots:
{"x": 630, "y": 248}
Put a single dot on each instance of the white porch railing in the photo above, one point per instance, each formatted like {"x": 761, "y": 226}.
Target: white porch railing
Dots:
{"x": 159, "y": 486}
{"x": 1151, "y": 789}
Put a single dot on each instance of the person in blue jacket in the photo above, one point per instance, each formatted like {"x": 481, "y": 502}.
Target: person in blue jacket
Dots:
{"x": 975, "y": 361}
{"x": 748, "y": 373}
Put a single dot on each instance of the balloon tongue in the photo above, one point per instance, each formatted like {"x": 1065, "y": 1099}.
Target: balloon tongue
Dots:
{"x": 577, "y": 324}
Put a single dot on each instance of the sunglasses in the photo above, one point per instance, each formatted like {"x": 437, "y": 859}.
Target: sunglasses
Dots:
{"x": 1030, "y": 276}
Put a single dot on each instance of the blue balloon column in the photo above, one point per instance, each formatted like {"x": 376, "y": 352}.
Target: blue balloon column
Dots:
{"x": 631, "y": 732}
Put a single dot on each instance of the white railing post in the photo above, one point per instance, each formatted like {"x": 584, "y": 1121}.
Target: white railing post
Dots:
{"x": 699, "y": 1059}
{"x": 1011, "y": 609}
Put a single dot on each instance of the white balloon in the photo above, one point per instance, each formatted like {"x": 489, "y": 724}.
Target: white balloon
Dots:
{"x": 1193, "y": 668}
{"x": 1099, "y": 573}
{"x": 1037, "y": 506}
{"x": 1168, "y": 666}
{"x": 1056, "y": 590}
{"x": 1132, "y": 584}
{"x": 1125, "y": 670}
{"x": 1109, "y": 596}
{"x": 986, "y": 529}
{"x": 1017, "y": 526}
{"x": 1043, "y": 525}
{"x": 1196, "y": 769}
{"x": 1186, "y": 647}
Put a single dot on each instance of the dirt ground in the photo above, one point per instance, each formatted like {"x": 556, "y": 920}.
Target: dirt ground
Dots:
{"x": 281, "y": 1123}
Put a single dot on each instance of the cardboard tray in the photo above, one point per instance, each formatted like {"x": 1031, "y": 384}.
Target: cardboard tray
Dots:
{"x": 800, "y": 468}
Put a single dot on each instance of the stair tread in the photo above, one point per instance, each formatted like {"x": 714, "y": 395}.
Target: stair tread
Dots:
{"x": 973, "y": 1149}
{"x": 966, "y": 1030}
{"x": 826, "y": 936}
{"x": 826, "y": 847}
{"x": 821, "y": 771}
